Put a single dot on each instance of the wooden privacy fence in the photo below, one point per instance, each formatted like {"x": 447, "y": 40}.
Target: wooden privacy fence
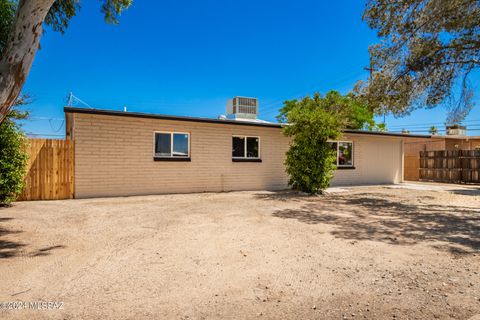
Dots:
{"x": 50, "y": 174}
{"x": 455, "y": 166}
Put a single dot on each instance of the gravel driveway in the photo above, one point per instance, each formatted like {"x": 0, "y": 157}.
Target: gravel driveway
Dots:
{"x": 365, "y": 252}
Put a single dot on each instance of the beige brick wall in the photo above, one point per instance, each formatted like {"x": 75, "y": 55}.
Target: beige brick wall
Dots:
{"x": 114, "y": 157}
{"x": 377, "y": 160}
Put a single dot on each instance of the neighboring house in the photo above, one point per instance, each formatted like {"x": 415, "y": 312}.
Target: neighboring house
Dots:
{"x": 413, "y": 146}
{"x": 126, "y": 153}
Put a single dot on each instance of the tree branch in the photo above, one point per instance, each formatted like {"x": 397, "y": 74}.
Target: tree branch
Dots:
{"x": 20, "y": 50}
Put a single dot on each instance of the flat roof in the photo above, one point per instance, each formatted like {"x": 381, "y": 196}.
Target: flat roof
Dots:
{"x": 219, "y": 121}
{"x": 456, "y": 137}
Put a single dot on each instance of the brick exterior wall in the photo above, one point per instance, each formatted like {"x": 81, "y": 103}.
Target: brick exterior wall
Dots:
{"x": 377, "y": 160}
{"x": 114, "y": 157}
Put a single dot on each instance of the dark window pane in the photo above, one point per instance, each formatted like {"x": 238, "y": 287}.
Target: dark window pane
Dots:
{"x": 238, "y": 147}
{"x": 162, "y": 144}
{"x": 345, "y": 154}
{"x": 180, "y": 145}
{"x": 252, "y": 147}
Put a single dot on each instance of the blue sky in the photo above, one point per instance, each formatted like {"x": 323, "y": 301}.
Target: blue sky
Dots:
{"x": 188, "y": 57}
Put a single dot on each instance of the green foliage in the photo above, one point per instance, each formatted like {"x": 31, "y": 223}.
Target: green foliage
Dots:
{"x": 354, "y": 113}
{"x": 7, "y": 13}
{"x": 113, "y": 8}
{"x": 13, "y": 158}
{"x": 59, "y": 14}
{"x": 427, "y": 51}
{"x": 380, "y": 127}
{"x": 310, "y": 160}
{"x": 62, "y": 11}
{"x": 433, "y": 130}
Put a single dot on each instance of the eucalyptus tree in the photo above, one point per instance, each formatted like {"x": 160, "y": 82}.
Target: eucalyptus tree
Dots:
{"x": 21, "y": 28}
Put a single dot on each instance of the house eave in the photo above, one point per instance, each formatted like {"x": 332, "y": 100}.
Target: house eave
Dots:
{"x": 389, "y": 134}
{"x": 220, "y": 121}
{"x": 167, "y": 117}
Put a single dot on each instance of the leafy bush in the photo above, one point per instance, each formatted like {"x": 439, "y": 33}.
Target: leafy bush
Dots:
{"x": 310, "y": 161}
{"x": 354, "y": 113}
{"x": 13, "y": 158}
{"x": 311, "y": 123}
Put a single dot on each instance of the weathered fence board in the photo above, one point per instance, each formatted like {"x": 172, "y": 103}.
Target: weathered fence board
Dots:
{"x": 50, "y": 170}
{"x": 455, "y": 166}
{"x": 411, "y": 166}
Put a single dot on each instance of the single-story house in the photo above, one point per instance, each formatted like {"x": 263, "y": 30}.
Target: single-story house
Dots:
{"x": 128, "y": 153}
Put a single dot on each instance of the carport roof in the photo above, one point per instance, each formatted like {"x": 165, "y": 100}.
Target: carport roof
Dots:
{"x": 219, "y": 121}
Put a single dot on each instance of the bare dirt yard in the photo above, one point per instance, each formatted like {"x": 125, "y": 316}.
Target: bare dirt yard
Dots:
{"x": 365, "y": 252}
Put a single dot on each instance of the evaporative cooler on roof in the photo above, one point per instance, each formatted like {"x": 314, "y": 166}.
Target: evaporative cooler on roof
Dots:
{"x": 242, "y": 108}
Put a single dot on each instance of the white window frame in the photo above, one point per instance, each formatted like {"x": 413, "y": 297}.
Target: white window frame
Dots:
{"x": 245, "y": 146}
{"x": 338, "y": 151}
{"x": 171, "y": 144}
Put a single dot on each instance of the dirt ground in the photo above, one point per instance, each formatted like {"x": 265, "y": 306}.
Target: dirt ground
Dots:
{"x": 365, "y": 252}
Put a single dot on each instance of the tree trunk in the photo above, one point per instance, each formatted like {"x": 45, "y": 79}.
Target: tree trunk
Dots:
{"x": 20, "y": 50}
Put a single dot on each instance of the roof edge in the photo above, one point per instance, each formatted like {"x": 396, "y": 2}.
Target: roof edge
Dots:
{"x": 167, "y": 117}
{"x": 456, "y": 137}
{"x": 391, "y": 134}
{"x": 218, "y": 121}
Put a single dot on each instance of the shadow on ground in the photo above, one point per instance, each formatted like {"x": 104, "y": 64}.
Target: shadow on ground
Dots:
{"x": 467, "y": 192}
{"x": 283, "y": 195}
{"x": 8, "y": 248}
{"x": 45, "y": 251}
{"x": 368, "y": 216}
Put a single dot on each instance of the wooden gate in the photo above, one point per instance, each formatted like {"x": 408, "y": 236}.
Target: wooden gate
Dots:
{"x": 455, "y": 166}
{"x": 411, "y": 167}
{"x": 50, "y": 170}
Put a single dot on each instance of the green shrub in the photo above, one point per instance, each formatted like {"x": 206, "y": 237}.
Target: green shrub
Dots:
{"x": 13, "y": 157}
{"x": 352, "y": 111}
{"x": 310, "y": 161}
